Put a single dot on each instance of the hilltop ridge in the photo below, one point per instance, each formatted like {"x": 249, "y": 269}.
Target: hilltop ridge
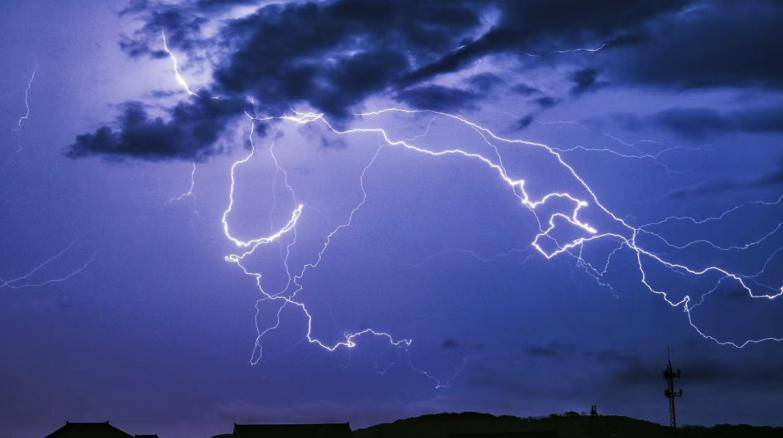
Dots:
{"x": 567, "y": 425}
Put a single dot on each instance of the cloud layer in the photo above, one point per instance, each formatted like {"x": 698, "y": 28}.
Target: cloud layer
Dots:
{"x": 332, "y": 56}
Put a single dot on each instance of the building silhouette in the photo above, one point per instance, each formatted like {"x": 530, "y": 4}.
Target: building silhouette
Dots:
{"x": 92, "y": 430}
{"x": 322, "y": 430}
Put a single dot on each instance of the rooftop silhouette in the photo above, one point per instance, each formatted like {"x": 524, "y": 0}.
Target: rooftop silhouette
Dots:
{"x": 458, "y": 425}
{"x": 89, "y": 430}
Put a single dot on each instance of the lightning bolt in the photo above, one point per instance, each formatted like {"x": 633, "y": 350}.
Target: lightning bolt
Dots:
{"x": 23, "y": 281}
{"x": 583, "y": 49}
{"x": 189, "y": 192}
{"x": 26, "y": 116}
{"x": 472, "y": 254}
{"x": 646, "y": 228}
{"x": 23, "y": 118}
{"x": 625, "y": 235}
{"x": 565, "y": 51}
{"x": 180, "y": 79}
{"x": 655, "y": 158}
{"x": 349, "y": 340}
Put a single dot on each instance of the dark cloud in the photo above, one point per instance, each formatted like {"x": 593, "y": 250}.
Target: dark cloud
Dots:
{"x": 702, "y": 370}
{"x": 585, "y": 80}
{"x": 612, "y": 356}
{"x": 542, "y": 103}
{"x": 715, "y": 43}
{"x": 524, "y": 122}
{"x": 551, "y": 349}
{"x": 481, "y": 376}
{"x": 701, "y": 123}
{"x": 463, "y": 344}
{"x": 163, "y": 94}
{"x": 525, "y": 90}
{"x": 450, "y": 343}
{"x": 484, "y": 82}
{"x": 630, "y": 38}
{"x": 708, "y": 371}
{"x": 182, "y": 26}
{"x": 695, "y": 123}
{"x": 545, "y": 25}
{"x": 334, "y": 55}
{"x": 543, "y": 352}
{"x": 545, "y": 101}
{"x": 438, "y": 97}
{"x": 330, "y": 55}
{"x": 191, "y": 132}
{"x": 211, "y": 5}
{"x": 766, "y": 179}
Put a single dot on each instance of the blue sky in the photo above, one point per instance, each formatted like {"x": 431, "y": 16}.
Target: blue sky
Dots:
{"x": 119, "y": 180}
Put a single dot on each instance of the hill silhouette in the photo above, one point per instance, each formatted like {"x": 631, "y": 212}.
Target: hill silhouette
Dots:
{"x": 472, "y": 424}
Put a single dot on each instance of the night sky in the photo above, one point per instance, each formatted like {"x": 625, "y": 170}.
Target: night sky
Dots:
{"x": 360, "y": 211}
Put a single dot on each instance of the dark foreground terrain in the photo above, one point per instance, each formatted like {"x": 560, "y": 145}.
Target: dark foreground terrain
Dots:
{"x": 470, "y": 424}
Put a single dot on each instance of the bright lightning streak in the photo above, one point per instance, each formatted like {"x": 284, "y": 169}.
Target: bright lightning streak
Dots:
{"x": 349, "y": 340}
{"x": 564, "y": 51}
{"x": 189, "y": 192}
{"x": 626, "y": 237}
{"x": 26, "y": 116}
{"x": 180, "y": 80}
{"x": 23, "y": 118}
{"x": 253, "y": 243}
{"x": 583, "y": 49}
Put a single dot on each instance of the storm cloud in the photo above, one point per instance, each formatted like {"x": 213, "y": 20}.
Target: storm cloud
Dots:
{"x": 191, "y": 133}
{"x": 333, "y": 56}
{"x": 701, "y": 123}
{"x": 737, "y": 43}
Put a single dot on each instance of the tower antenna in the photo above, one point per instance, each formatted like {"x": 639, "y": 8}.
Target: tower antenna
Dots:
{"x": 670, "y": 374}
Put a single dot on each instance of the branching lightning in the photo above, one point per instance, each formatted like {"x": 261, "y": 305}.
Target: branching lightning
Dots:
{"x": 655, "y": 158}
{"x": 624, "y": 234}
{"x": 24, "y": 281}
{"x": 27, "y": 280}
{"x": 626, "y": 237}
{"x": 253, "y": 244}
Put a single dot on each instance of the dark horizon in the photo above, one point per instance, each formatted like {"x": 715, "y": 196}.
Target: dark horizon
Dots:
{"x": 555, "y": 425}
{"x": 354, "y": 210}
